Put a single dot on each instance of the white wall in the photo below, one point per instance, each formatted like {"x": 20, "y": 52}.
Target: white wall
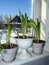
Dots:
{"x": 45, "y": 22}
{"x": 37, "y": 9}
{"x": 41, "y": 9}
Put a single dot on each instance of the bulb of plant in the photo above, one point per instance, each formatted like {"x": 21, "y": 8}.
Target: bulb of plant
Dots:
{"x": 9, "y": 49}
{"x": 37, "y": 42}
{"x": 24, "y": 42}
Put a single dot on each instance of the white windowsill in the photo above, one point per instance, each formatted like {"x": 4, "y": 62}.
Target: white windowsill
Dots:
{"x": 19, "y": 62}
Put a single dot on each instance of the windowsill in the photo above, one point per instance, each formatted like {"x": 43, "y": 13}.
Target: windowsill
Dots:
{"x": 19, "y": 62}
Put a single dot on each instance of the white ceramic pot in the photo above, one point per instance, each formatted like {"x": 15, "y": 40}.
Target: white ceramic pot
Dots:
{"x": 38, "y": 48}
{"x": 9, "y": 54}
{"x": 24, "y": 44}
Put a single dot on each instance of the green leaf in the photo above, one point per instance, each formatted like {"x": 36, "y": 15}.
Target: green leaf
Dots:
{"x": 35, "y": 25}
{"x": 1, "y": 47}
{"x": 8, "y": 33}
{"x": 24, "y": 19}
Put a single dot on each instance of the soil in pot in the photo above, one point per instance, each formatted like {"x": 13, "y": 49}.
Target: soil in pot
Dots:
{"x": 21, "y": 37}
{"x": 38, "y": 41}
{"x": 9, "y": 46}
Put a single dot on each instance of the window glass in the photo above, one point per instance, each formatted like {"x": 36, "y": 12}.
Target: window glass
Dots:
{"x": 11, "y": 7}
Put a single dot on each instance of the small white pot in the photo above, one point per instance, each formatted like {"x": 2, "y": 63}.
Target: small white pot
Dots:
{"x": 9, "y": 54}
{"x": 38, "y": 48}
{"x": 24, "y": 44}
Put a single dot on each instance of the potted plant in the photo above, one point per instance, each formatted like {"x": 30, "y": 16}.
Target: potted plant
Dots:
{"x": 24, "y": 41}
{"x": 8, "y": 50}
{"x": 38, "y": 44}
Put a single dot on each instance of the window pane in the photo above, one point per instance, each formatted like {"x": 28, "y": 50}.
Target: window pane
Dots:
{"x": 12, "y": 7}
